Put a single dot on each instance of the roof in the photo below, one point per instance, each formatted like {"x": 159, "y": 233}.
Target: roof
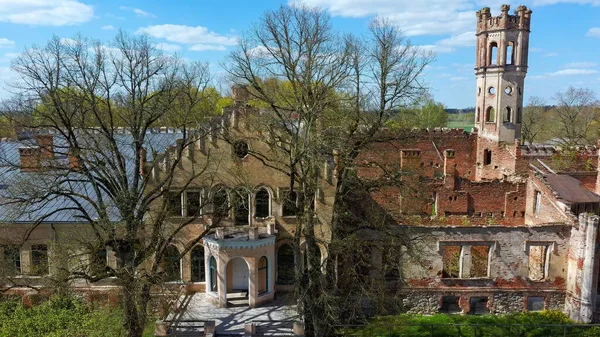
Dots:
{"x": 570, "y": 189}
{"x": 57, "y": 209}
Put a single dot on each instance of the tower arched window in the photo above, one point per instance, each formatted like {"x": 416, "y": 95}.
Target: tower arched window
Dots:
{"x": 507, "y": 117}
{"x": 510, "y": 53}
{"x": 198, "y": 274}
{"x": 490, "y": 115}
{"x": 493, "y": 58}
{"x": 261, "y": 203}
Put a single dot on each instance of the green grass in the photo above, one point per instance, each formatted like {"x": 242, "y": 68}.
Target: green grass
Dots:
{"x": 63, "y": 316}
{"x": 442, "y": 325}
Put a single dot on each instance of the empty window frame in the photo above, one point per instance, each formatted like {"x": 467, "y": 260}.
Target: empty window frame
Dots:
{"x": 538, "y": 261}
{"x": 192, "y": 203}
{"x": 490, "y": 115}
{"x": 493, "y": 55}
{"x": 451, "y": 261}
{"x": 487, "y": 157}
{"x": 466, "y": 260}
{"x": 39, "y": 260}
{"x": 536, "y": 303}
{"x": 480, "y": 256}
{"x": 507, "y": 118}
{"x": 11, "y": 260}
{"x": 262, "y": 203}
{"x": 174, "y": 204}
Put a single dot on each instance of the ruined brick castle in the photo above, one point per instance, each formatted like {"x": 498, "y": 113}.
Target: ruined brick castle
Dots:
{"x": 502, "y": 228}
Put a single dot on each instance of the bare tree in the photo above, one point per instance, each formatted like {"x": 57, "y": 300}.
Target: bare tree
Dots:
{"x": 534, "y": 123}
{"x": 324, "y": 99}
{"x": 574, "y": 115}
{"x": 101, "y": 103}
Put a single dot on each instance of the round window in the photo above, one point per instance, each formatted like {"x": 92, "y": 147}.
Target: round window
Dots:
{"x": 240, "y": 148}
{"x": 508, "y": 90}
{"x": 492, "y": 90}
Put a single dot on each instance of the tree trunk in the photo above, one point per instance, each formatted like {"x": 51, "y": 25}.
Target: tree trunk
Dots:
{"x": 135, "y": 303}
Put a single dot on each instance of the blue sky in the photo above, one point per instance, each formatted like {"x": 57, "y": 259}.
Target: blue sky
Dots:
{"x": 564, "y": 43}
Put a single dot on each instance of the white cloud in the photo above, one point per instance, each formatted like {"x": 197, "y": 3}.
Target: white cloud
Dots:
{"x": 450, "y": 44}
{"x": 138, "y": 12}
{"x": 458, "y": 78}
{"x": 198, "y": 36}
{"x": 423, "y": 17}
{"x": 67, "y": 41}
{"x": 108, "y": 27}
{"x": 580, "y": 65}
{"x": 49, "y": 13}
{"x": 580, "y": 2}
{"x": 594, "y": 32}
{"x": 203, "y": 47}
{"x": 168, "y": 47}
{"x": 11, "y": 55}
{"x": 550, "y": 54}
{"x": 6, "y": 43}
{"x": 571, "y": 72}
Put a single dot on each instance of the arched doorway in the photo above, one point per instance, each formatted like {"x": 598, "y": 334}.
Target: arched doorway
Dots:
{"x": 240, "y": 274}
{"x": 212, "y": 265}
{"x": 263, "y": 275}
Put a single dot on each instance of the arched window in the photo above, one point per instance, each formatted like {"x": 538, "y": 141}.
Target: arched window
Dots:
{"x": 212, "y": 264}
{"x": 171, "y": 265}
{"x": 490, "y": 114}
{"x": 241, "y": 207}
{"x": 198, "y": 274}
{"x": 263, "y": 275}
{"x": 220, "y": 201}
{"x": 510, "y": 56}
{"x": 507, "y": 115}
{"x": 493, "y": 58}
{"x": 289, "y": 204}
{"x": 285, "y": 265}
{"x": 261, "y": 203}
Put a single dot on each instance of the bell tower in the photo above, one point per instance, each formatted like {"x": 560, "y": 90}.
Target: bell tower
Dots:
{"x": 500, "y": 68}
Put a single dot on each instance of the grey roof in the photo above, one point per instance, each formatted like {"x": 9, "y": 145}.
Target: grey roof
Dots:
{"x": 570, "y": 189}
{"x": 15, "y": 182}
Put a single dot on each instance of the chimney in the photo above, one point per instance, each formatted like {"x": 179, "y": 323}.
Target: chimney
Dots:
{"x": 74, "y": 163}
{"x": 143, "y": 162}
{"x": 220, "y": 234}
{"x": 271, "y": 229}
{"x": 30, "y": 158}
{"x": 46, "y": 144}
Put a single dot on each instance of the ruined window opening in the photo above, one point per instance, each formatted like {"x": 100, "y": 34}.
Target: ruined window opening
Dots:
{"x": 515, "y": 213}
{"x": 507, "y": 118}
{"x": 434, "y": 207}
{"x": 174, "y": 204}
{"x": 99, "y": 261}
{"x": 478, "y": 91}
{"x": 11, "y": 260}
{"x": 490, "y": 115}
{"x": 508, "y": 90}
{"x": 477, "y": 115}
{"x": 262, "y": 203}
{"x": 192, "y": 203}
{"x": 536, "y": 303}
{"x": 451, "y": 262}
{"x": 241, "y": 149}
{"x": 510, "y": 53}
{"x": 449, "y": 305}
{"x": 487, "y": 157}
{"x": 519, "y": 115}
{"x": 537, "y": 203}
{"x": 39, "y": 260}
{"x": 478, "y": 306}
{"x": 493, "y": 58}
{"x": 198, "y": 274}
{"x": 492, "y": 90}
{"x": 538, "y": 256}
{"x": 480, "y": 261}
{"x": 390, "y": 263}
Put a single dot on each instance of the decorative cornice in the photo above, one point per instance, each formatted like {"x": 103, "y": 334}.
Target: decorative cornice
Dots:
{"x": 239, "y": 244}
